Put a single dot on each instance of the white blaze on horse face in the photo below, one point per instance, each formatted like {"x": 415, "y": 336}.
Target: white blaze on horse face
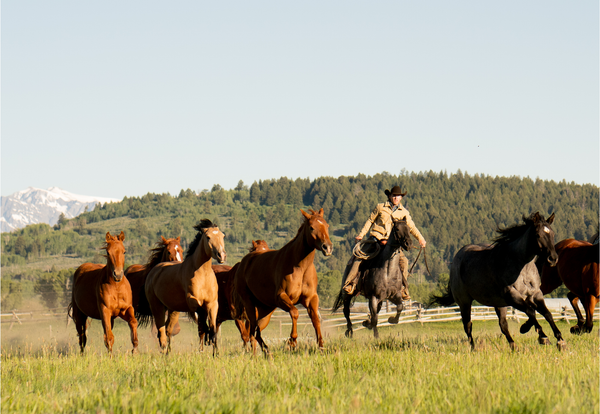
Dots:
{"x": 215, "y": 231}
{"x": 178, "y": 256}
{"x": 546, "y": 229}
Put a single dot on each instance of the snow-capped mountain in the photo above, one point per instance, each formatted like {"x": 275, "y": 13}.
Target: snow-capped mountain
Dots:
{"x": 35, "y": 205}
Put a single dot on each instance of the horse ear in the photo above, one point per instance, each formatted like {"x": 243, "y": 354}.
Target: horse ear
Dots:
{"x": 550, "y": 219}
{"x": 179, "y": 239}
{"x": 163, "y": 239}
{"x": 122, "y": 236}
{"x": 320, "y": 213}
{"x": 254, "y": 244}
{"x": 108, "y": 236}
{"x": 305, "y": 214}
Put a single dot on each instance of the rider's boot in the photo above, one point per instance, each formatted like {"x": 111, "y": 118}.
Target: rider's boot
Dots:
{"x": 351, "y": 279}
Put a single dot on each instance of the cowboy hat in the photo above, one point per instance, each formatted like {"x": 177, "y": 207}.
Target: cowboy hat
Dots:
{"x": 395, "y": 191}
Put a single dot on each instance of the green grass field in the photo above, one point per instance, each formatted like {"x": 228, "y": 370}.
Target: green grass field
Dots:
{"x": 411, "y": 368}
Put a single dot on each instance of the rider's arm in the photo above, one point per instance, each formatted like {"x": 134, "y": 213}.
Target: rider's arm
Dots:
{"x": 413, "y": 230}
{"x": 369, "y": 222}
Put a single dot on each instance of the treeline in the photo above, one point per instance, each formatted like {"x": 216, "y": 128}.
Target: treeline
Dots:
{"x": 450, "y": 210}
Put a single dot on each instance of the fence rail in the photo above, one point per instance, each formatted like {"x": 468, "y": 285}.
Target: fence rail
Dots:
{"x": 358, "y": 313}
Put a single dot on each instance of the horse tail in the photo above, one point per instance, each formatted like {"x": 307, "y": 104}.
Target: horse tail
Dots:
{"x": 143, "y": 313}
{"x": 445, "y": 299}
{"x": 339, "y": 301}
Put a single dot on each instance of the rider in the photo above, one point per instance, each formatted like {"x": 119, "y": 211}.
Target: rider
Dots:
{"x": 380, "y": 225}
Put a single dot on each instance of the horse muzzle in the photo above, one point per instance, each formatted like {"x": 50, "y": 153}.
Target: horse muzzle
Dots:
{"x": 327, "y": 249}
{"x": 118, "y": 275}
{"x": 220, "y": 257}
{"x": 553, "y": 260}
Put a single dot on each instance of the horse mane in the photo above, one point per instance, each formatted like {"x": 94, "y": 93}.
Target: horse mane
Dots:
{"x": 156, "y": 255}
{"x": 304, "y": 222}
{"x": 204, "y": 224}
{"x": 512, "y": 233}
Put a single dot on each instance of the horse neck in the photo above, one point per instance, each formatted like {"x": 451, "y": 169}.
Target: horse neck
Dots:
{"x": 301, "y": 252}
{"x": 522, "y": 250}
{"x": 200, "y": 258}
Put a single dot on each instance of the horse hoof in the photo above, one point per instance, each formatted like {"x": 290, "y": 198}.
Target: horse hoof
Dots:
{"x": 349, "y": 333}
{"x": 512, "y": 346}
{"x": 367, "y": 324}
{"x": 525, "y": 328}
{"x": 393, "y": 320}
{"x": 561, "y": 345}
{"x": 576, "y": 330}
{"x": 544, "y": 341}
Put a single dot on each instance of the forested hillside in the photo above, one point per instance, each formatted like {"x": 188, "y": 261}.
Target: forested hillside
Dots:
{"x": 449, "y": 210}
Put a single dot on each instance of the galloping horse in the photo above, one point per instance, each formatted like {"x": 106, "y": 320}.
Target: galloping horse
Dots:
{"x": 189, "y": 286}
{"x": 166, "y": 250}
{"x": 379, "y": 278}
{"x": 503, "y": 275}
{"x": 281, "y": 278}
{"x": 225, "y": 275}
{"x": 101, "y": 292}
{"x": 577, "y": 268}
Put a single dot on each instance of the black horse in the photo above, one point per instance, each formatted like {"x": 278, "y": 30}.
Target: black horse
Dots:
{"x": 504, "y": 274}
{"x": 379, "y": 279}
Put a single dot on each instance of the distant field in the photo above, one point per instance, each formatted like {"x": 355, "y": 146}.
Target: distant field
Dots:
{"x": 414, "y": 368}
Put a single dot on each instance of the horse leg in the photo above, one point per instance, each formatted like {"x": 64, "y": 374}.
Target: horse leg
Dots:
{"x": 312, "y": 308}
{"x": 589, "y": 304}
{"x": 107, "y": 323}
{"x": 465, "y": 315}
{"x": 129, "y": 317}
{"x": 576, "y": 330}
{"x": 212, "y": 309}
{"x": 501, "y": 312}
{"x": 202, "y": 326}
{"x": 284, "y": 302}
{"x": 374, "y": 306}
{"x": 396, "y": 300}
{"x": 81, "y": 326}
{"x": 347, "y": 300}
{"x": 543, "y": 310}
{"x": 158, "y": 311}
{"x": 170, "y": 325}
{"x": 253, "y": 330}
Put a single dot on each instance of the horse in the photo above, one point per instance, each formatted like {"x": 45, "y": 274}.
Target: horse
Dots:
{"x": 380, "y": 278}
{"x": 282, "y": 278}
{"x": 577, "y": 268}
{"x": 225, "y": 275}
{"x": 101, "y": 292}
{"x": 504, "y": 274}
{"x": 189, "y": 286}
{"x": 166, "y": 250}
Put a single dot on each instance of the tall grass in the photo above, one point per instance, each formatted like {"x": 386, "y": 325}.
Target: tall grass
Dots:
{"x": 424, "y": 369}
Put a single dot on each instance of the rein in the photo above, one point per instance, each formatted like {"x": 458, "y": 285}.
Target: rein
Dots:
{"x": 424, "y": 258}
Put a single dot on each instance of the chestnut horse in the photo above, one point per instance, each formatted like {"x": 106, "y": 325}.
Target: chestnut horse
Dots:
{"x": 189, "y": 286}
{"x": 225, "y": 275}
{"x": 166, "y": 250}
{"x": 577, "y": 268}
{"x": 101, "y": 292}
{"x": 281, "y": 278}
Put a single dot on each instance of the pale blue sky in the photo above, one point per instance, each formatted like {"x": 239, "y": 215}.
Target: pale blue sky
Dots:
{"x": 118, "y": 99}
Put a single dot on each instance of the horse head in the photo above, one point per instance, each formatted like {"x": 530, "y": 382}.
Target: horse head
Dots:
{"x": 259, "y": 246}
{"x": 115, "y": 254}
{"x": 545, "y": 236}
{"x": 318, "y": 232}
{"x": 401, "y": 234}
{"x": 214, "y": 241}
{"x": 172, "y": 251}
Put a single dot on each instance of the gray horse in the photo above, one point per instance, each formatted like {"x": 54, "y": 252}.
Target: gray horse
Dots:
{"x": 380, "y": 278}
{"x": 504, "y": 274}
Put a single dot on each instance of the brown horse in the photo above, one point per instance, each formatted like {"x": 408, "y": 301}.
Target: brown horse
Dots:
{"x": 281, "y": 278}
{"x": 189, "y": 286}
{"x": 225, "y": 275}
{"x": 577, "y": 268}
{"x": 101, "y": 292}
{"x": 166, "y": 250}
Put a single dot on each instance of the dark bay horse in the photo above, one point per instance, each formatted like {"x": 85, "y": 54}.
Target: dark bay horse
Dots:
{"x": 379, "y": 279}
{"x": 578, "y": 269}
{"x": 281, "y": 278}
{"x": 503, "y": 275}
{"x": 189, "y": 286}
{"x": 101, "y": 292}
{"x": 225, "y": 275}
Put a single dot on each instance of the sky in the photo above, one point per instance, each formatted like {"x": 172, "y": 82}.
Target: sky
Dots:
{"x": 114, "y": 99}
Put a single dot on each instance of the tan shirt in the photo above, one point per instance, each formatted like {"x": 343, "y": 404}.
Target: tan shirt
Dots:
{"x": 380, "y": 221}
